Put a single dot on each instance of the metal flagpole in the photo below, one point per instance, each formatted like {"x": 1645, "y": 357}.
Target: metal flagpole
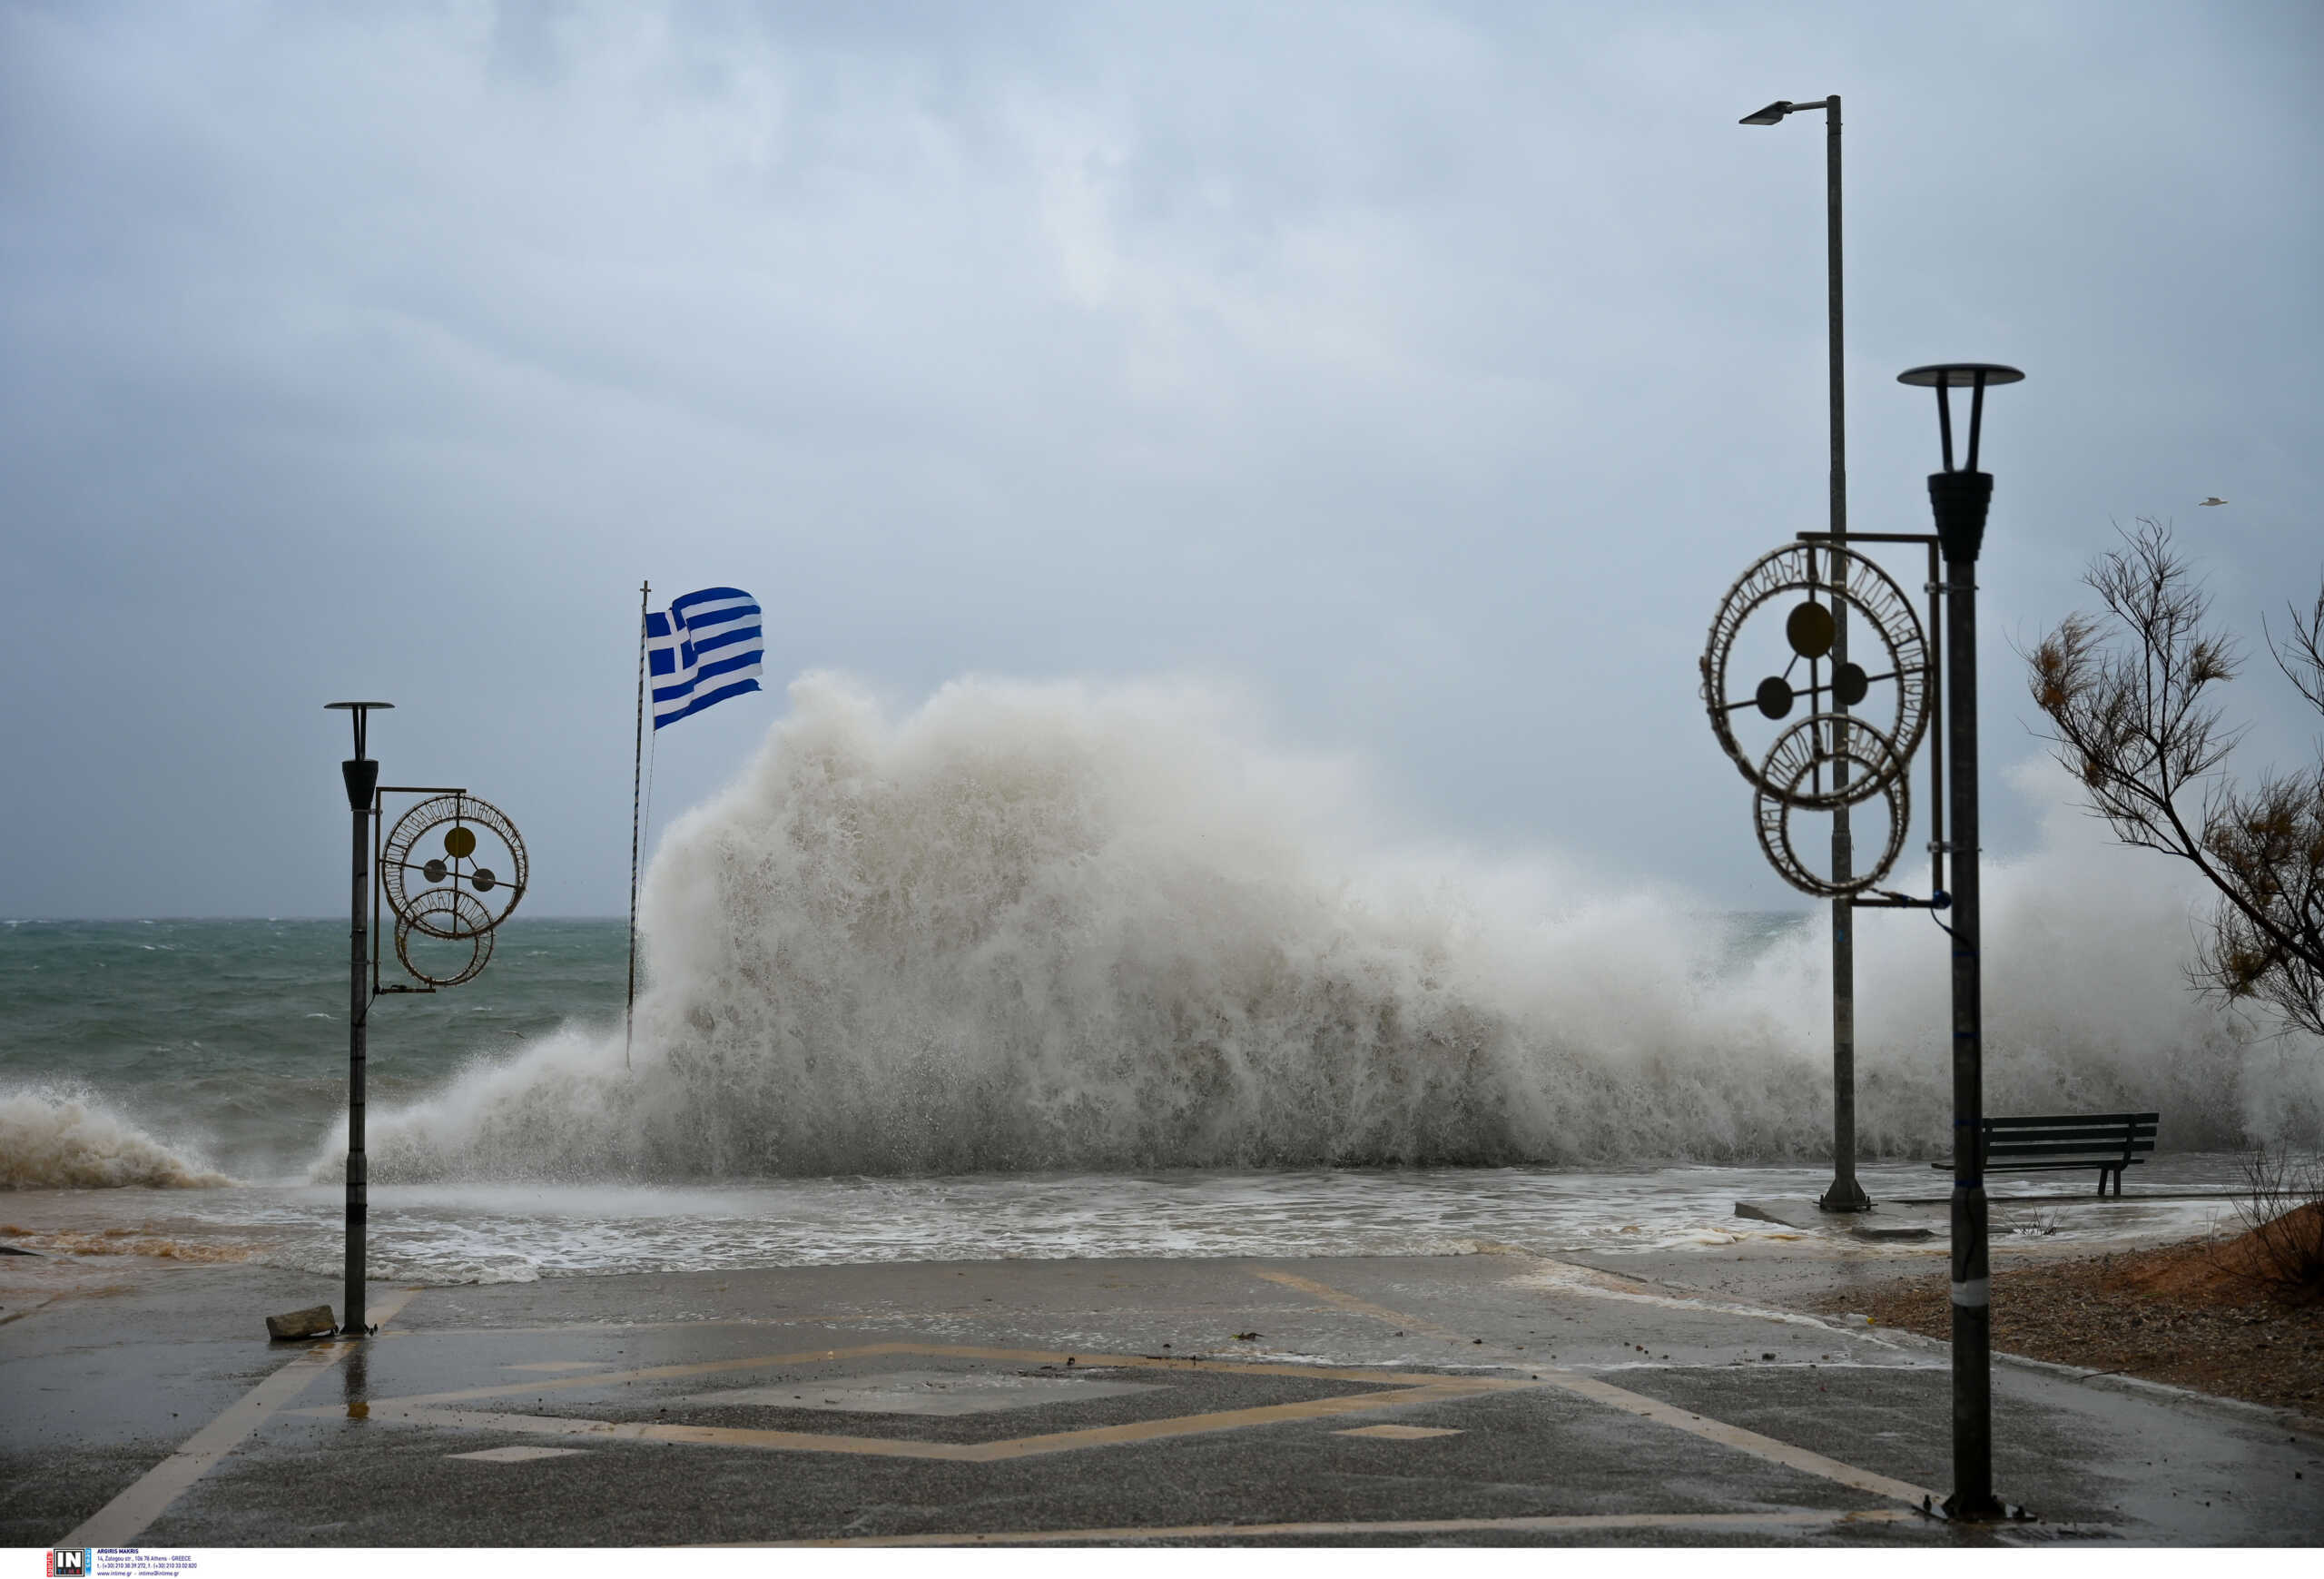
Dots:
{"x": 637, "y": 768}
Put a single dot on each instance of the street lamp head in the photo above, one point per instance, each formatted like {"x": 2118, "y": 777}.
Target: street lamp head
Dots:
{"x": 1977, "y": 377}
{"x": 1768, "y": 116}
{"x": 1959, "y": 497}
{"x": 1959, "y": 375}
{"x": 361, "y": 711}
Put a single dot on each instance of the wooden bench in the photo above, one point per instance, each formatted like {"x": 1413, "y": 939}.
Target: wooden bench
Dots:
{"x": 2109, "y": 1142}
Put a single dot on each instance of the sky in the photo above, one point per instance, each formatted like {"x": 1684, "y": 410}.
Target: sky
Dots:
{"x": 1424, "y": 373}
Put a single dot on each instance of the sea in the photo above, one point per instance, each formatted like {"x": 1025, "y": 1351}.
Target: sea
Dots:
{"x": 1048, "y": 970}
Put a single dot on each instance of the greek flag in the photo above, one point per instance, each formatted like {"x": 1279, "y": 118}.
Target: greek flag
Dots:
{"x": 705, "y": 650}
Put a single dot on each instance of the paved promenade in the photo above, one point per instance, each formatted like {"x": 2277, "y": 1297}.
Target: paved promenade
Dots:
{"x": 1481, "y": 1399}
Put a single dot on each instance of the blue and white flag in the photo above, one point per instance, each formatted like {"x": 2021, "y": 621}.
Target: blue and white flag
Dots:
{"x": 705, "y": 650}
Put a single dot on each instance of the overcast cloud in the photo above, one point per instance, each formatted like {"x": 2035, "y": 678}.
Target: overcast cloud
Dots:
{"x": 1426, "y": 371}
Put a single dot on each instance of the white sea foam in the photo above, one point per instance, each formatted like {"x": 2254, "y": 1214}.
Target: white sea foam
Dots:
{"x": 1086, "y": 927}
{"x": 70, "y": 1141}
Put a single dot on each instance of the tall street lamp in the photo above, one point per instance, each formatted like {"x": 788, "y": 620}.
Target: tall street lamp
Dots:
{"x": 1958, "y": 500}
{"x": 1845, "y": 1194}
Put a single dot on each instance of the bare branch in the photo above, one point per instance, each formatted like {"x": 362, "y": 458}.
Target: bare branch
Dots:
{"x": 2129, "y": 699}
{"x": 2304, "y": 666}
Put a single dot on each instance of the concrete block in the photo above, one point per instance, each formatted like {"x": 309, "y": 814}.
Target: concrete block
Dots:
{"x": 312, "y": 1322}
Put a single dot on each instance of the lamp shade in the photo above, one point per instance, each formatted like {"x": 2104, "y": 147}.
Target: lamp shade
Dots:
{"x": 1958, "y": 375}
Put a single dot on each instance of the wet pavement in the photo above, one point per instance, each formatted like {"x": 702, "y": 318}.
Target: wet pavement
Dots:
{"x": 1489, "y": 1398}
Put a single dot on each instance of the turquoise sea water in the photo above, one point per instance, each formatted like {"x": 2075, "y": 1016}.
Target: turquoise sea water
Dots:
{"x": 227, "y": 1039}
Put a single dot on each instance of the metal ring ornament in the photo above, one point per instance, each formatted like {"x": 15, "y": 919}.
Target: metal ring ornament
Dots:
{"x": 482, "y": 897}
{"x": 1817, "y": 740}
{"x": 1846, "y": 577}
{"x": 460, "y": 917}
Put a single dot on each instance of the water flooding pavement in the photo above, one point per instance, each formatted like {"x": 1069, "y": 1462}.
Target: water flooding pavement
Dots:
{"x": 1468, "y": 1399}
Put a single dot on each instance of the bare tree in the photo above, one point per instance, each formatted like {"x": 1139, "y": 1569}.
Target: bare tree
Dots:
{"x": 2128, "y": 695}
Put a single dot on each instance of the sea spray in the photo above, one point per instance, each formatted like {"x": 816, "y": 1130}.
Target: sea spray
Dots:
{"x": 69, "y": 1140}
{"x": 1109, "y": 927}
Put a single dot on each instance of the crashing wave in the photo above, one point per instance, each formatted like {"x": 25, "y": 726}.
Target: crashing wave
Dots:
{"x": 51, "y": 1141}
{"x": 1071, "y": 926}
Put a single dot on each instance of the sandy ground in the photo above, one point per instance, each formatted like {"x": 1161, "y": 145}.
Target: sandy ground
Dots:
{"x": 2206, "y": 1314}
{"x": 2191, "y": 1313}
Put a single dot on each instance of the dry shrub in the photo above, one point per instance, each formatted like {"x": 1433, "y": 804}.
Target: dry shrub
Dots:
{"x": 2283, "y": 1210}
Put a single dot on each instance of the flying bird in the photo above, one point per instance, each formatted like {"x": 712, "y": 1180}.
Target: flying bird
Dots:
{"x": 2214, "y": 500}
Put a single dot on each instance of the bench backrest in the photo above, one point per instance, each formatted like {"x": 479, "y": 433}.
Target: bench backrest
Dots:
{"x": 2071, "y": 1135}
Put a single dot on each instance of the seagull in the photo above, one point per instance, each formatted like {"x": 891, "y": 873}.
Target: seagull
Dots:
{"x": 2214, "y": 500}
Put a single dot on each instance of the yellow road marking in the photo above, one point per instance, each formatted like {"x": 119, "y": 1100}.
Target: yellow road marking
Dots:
{"x": 1399, "y": 1433}
{"x": 1570, "y": 1278}
{"x": 1751, "y": 1442}
{"x": 1354, "y": 1306}
{"x": 852, "y": 1318}
{"x": 697, "y": 1435}
{"x": 1082, "y": 1361}
{"x": 1718, "y": 1431}
{"x": 425, "y": 1410}
{"x": 1803, "y": 1518}
{"x": 120, "y": 1521}
{"x": 1440, "y": 1391}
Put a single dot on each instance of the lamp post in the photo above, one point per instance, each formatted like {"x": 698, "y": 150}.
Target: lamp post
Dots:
{"x": 1844, "y": 1193}
{"x": 363, "y": 778}
{"x": 449, "y": 898}
{"x": 1958, "y": 500}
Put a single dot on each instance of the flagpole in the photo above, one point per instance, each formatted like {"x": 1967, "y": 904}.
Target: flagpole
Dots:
{"x": 636, "y": 766}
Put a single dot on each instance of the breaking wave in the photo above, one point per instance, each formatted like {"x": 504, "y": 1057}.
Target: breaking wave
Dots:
{"x": 1034, "y": 926}
{"x": 62, "y": 1141}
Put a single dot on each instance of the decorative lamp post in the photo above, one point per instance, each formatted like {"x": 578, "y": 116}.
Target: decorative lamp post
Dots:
{"x": 451, "y": 896}
{"x": 1844, "y": 1193}
{"x": 1958, "y": 498}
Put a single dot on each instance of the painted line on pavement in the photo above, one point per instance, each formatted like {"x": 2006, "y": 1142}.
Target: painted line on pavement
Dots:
{"x": 1638, "y": 1403}
{"x": 1805, "y": 1518}
{"x": 1082, "y": 1361}
{"x": 120, "y": 1521}
{"x": 1430, "y": 1390}
{"x": 1573, "y": 1278}
{"x": 1354, "y": 1306}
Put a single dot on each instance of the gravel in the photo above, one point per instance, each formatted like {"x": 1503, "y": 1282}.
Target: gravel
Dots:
{"x": 2191, "y": 1315}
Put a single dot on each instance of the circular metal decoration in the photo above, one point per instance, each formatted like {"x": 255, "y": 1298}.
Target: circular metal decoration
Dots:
{"x": 1819, "y": 741}
{"x": 445, "y": 912}
{"x": 445, "y": 841}
{"x": 1806, "y": 580}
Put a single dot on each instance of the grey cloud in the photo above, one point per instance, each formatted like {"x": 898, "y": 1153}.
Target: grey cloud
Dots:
{"x": 1428, "y": 369}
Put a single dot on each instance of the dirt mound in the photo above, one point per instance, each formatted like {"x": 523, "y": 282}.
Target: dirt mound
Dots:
{"x": 2195, "y": 1315}
{"x": 2268, "y": 1260}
